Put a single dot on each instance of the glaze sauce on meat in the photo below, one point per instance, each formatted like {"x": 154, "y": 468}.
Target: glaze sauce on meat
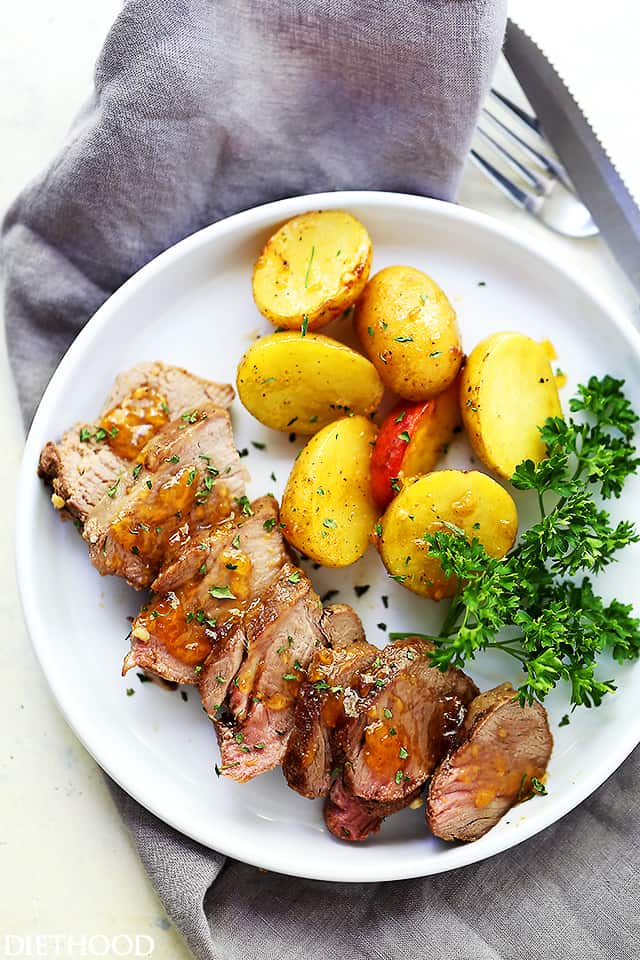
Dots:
{"x": 131, "y": 424}
{"x": 183, "y": 625}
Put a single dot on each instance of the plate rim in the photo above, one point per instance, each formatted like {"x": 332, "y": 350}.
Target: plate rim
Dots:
{"x": 284, "y": 209}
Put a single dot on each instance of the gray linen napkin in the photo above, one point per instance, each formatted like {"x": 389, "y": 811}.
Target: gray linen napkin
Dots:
{"x": 201, "y": 109}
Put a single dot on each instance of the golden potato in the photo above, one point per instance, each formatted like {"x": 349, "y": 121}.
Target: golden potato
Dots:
{"x": 290, "y": 382}
{"x": 327, "y": 508}
{"x": 408, "y": 329}
{"x": 312, "y": 269}
{"x": 507, "y": 391}
{"x": 470, "y": 501}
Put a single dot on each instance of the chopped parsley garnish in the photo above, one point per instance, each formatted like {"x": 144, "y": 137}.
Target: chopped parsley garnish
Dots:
{"x": 130, "y": 691}
{"x": 245, "y": 504}
{"x": 235, "y": 543}
{"x": 258, "y": 445}
{"x": 100, "y": 434}
{"x": 269, "y": 524}
{"x": 538, "y": 787}
{"x": 387, "y": 713}
{"x": 423, "y": 298}
{"x": 330, "y": 523}
{"x": 85, "y": 434}
{"x": 361, "y": 590}
{"x": 403, "y": 339}
{"x": 111, "y": 492}
{"x": 305, "y": 325}
{"x": 306, "y": 276}
{"x": 382, "y": 626}
{"x": 400, "y": 417}
{"x": 231, "y": 566}
{"x": 135, "y": 551}
{"x": 294, "y": 577}
{"x": 137, "y": 471}
{"x": 289, "y": 676}
{"x": 399, "y": 776}
{"x": 329, "y": 595}
{"x": 190, "y": 416}
{"x": 403, "y": 754}
{"x": 191, "y": 477}
{"x": 434, "y": 354}
{"x": 404, "y": 436}
{"x": 565, "y": 721}
{"x": 395, "y": 484}
{"x": 378, "y": 529}
{"x": 370, "y": 331}
{"x": 174, "y": 459}
{"x": 221, "y": 593}
{"x": 198, "y": 668}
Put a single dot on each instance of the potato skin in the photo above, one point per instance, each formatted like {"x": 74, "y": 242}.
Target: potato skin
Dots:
{"x": 459, "y": 497}
{"x": 315, "y": 266}
{"x": 289, "y": 382}
{"x": 409, "y": 331}
{"x": 327, "y": 508}
{"x": 411, "y": 440}
{"x": 507, "y": 391}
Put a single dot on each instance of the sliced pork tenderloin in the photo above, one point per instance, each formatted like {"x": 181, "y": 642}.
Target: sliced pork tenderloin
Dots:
{"x": 320, "y": 710}
{"x": 402, "y": 716}
{"x": 200, "y": 597}
{"x": 504, "y": 750}
{"x": 281, "y": 634}
{"x": 188, "y": 479}
{"x": 180, "y": 389}
{"x": 351, "y": 818}
{"x": 87, "y": 461}
{"x": 402, "y": 722}
{"x": 341, "y": 626}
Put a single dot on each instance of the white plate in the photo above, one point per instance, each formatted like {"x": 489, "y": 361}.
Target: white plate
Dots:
{"x": 192, "y": 306}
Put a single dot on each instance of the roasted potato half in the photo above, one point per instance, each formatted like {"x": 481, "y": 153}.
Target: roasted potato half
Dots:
{"x": 466, "y": 501}
{"x": 327, "y": 508}
{"x": 290, "y": 382}
{"x": 507, "y": 391}
{"x": 312, "y": 269}
{"x": 409, "y": 331}
{"x": 411, "y": 440}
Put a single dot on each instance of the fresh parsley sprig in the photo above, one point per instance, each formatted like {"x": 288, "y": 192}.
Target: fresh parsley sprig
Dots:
{"x": 525, "y": 604}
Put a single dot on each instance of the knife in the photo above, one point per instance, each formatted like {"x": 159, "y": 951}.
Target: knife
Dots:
{"x": 594, "y": 176}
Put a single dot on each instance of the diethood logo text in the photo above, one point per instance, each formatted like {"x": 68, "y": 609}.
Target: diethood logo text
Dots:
{"x": 69, "y": 945}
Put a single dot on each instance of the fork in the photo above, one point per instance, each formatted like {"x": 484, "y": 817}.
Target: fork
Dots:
{"x": 550, "y": 195}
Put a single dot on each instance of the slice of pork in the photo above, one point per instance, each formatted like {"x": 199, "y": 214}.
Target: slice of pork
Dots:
{"x": 180, "y": 389}
{"x": 281, "y": 633}
{"x": 175, "y": 631}
{"x": 403, "y": 717}
{"x": 350, "y": 818}
{"x": 87, "y": 461}
{"x": 188, "y": 479}
{"x": 342, "y": 626}
{"x": 309, "y": 760}
{"x": 504, "y": 747}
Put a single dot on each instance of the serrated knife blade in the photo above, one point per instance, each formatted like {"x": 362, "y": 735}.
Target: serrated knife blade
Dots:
{"x": 594, "y": 176}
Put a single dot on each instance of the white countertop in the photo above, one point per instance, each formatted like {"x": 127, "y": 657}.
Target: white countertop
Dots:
{"x": 67, "y": 863}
